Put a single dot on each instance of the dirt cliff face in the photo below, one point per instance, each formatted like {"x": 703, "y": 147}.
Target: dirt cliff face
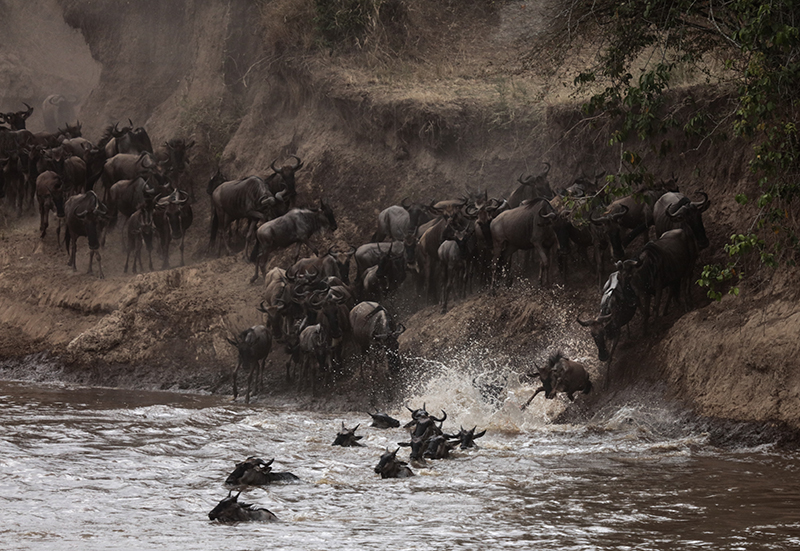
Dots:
{"x": 463, "y": 107}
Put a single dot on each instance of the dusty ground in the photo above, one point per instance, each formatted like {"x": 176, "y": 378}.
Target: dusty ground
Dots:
{"x": 464, "y": 98}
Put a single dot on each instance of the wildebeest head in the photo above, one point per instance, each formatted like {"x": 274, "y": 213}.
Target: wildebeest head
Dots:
{"x": 16, "y": 119}
{"x": 92, "y": 218}
{"x": 71, "y": 130}
{"x": 689, "y": 213}
{"x": 347, "y": 437}
{"x": 390, "y": 467}
{"x": 534, "y": 185}
{"x": 467, "y": 437}
{"x": 610, "y": 224}
{"x": 287, "y": 172}
{"x": 326, "y": 210}
{"x": 176, "y": 154}
{"x": 252, "y": 463}
{"x": 229, "y": 510}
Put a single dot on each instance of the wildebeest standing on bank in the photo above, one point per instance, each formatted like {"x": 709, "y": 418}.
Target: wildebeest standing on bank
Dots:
{"x": 530, "y": 188}
{"x": 296, "y": 226}
{"x": 84, "y": 216}
{"x": 50, "y": 195}
{"x": 138, "y": 231}
{"x": 229, "y": 510}
{"x": 561, "y": 374}
{"x": 375, "y": 333}
{"x": 254, "y": 345}
{"x": 675, "y": 211}
{"x": 528, "y": 226}
{"x": 248, "y": 199}
{"x": 172, "y": 217}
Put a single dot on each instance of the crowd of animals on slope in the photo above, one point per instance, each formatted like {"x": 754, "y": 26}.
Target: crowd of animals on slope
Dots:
{"x": 427, "y": 441}
{"x": 314, "y": 308}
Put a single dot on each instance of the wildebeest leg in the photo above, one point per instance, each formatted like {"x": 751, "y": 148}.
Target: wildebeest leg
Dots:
{"x": 235, "y": 372}
{"x": 73, "y": 250}
{"x": 183, "y": 238}
{"x": 526, "y": 404}
{"x": 250, "y": 375}
{"x": 92, "y": 253}
{"x": 61, "y": 222}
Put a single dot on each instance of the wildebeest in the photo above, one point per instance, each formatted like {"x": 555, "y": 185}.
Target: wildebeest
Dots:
{"x": 347, "y": 438}
{"x": 126, "y": 140}
{"x": 453, "y": 256}
{"x": 254, "y": 471}
{"x": 391, "y": 467}
{"x": 525, "y": 227}
{"x": 375, "y": 333}
{"x": 667, "y": 262}
{"x": 383, "y": 420}
{"x": 438, "y": 447}
{"x": 530, "y": 188}
{"x": 229, "y": 510}
{"x": 138, "y": 231}
{"x": 617, "y": 308}
{"x": 84, "y": 216}
{"x": 676, "y": 211}
{"x": 383, "y": 278}
{"x": 128, "y": 166}
{"x": 172, "y": 217}
{"x": 399, "y": 221}
{"x": 254, "y": 345}
{"x": 370, "y": 254}
{"x": 296, "y": 226}
{"x": 248, "y": 199}
{"x": 50, "y": 195}
{"x": 466, "y": 438}
{"x": 561, "y": 374}
{"x": 286, "y": 187}
{"x": 16, "y": 119}
{"x": 57, "y": 110}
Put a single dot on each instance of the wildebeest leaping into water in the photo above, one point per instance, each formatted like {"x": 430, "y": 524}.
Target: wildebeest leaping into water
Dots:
{"x": 561, "y": 375}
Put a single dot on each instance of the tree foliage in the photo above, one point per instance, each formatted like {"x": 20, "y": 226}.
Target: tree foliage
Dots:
{"x": 760, "y": 42}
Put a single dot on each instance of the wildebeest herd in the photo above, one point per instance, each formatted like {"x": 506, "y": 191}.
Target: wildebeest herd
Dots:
{"x": 316, "y": 307}
{"x": 427, "y": 441}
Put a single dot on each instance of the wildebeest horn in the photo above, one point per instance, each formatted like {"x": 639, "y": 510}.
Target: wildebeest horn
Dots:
{"x": 232, "y": 341}
{"x": 404, "y": 201}
{"x": 272, "y": 166}
{"x": 597, "y": 221}
{"x": 28, "y": 112}
{"x": 442, "y": 420}
{"x": 130, "y": 122}
{"x": 547, "y": 169}
{"x": 180, "y": 193}
{"x": 525, "y": 181}
{"x": 702, "y": 205}
{"x": 584, "y": 323}
{"x": 261, "y": 307}
{"x": 620, "y": 214}
{"x": 299, "y": 164}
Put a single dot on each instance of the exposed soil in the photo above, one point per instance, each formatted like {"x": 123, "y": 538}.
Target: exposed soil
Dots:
{"x": 459, "y": 96}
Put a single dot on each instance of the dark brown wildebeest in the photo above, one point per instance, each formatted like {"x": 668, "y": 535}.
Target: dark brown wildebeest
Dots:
{"x": 466, "y": 438}
{"x": 375, "y": 333}
{"x": 127, "y": 196}
{"x": 138, "y": 231}
{"x": 617, "y": 308}
{"x": 284, "y": 187}
{"x": 530, "y": 188}
{"x": 128, "y": 166}
{"x": 675, "y": 211}
{"x": 438, "y": 447}
{"x": 172, "y": 217}
{"x": 229, "y": 510}
{"x": 254, "y": 345}
{"x": 528, "y": 226}
{"x": 296, "y": 226}
{"x": 16, "y": 119}
{"x": 75, "y": 174}
{"x": 247, "y": 199}
{"x": 561, "y": 374}
{"x": 391, "y": 467}
{"x": 126, "y": 140}
{"x": 254, "y": 471}
{"x": 84, "y": 215}
{"x": 453, "y": 254}
{"x": 383, "y": 421}
{"x": 667, "y": 262}
{"x": 399, "y": 221}
{"x": 347, "y": 438}
{"x": 50, "y": 194}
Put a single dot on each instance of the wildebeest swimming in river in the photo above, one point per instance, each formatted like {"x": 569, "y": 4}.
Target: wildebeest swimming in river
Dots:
{"x": 229, "y": 510}
{"x": 347, "y": 437}
{"x": 383, "y": 421}
{"x": 391, "y": 467}
{"x": 561, "y": 375}
{"x": 254, "y": 471}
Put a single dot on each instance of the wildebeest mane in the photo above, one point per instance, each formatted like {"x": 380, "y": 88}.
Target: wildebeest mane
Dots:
{"x": 555, "y": 358}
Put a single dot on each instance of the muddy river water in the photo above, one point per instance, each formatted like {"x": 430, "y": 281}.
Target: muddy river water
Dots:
{"x": 88, "y": 468}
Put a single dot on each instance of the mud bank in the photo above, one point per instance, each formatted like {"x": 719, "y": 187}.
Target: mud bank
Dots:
{"x": 249, "y": 91}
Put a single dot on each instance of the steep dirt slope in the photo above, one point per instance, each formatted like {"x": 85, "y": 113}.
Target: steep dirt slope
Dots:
{"x": 464, "y": 101}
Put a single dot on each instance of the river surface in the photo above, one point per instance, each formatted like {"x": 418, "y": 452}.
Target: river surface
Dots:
{"x": 107, "y": 469}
